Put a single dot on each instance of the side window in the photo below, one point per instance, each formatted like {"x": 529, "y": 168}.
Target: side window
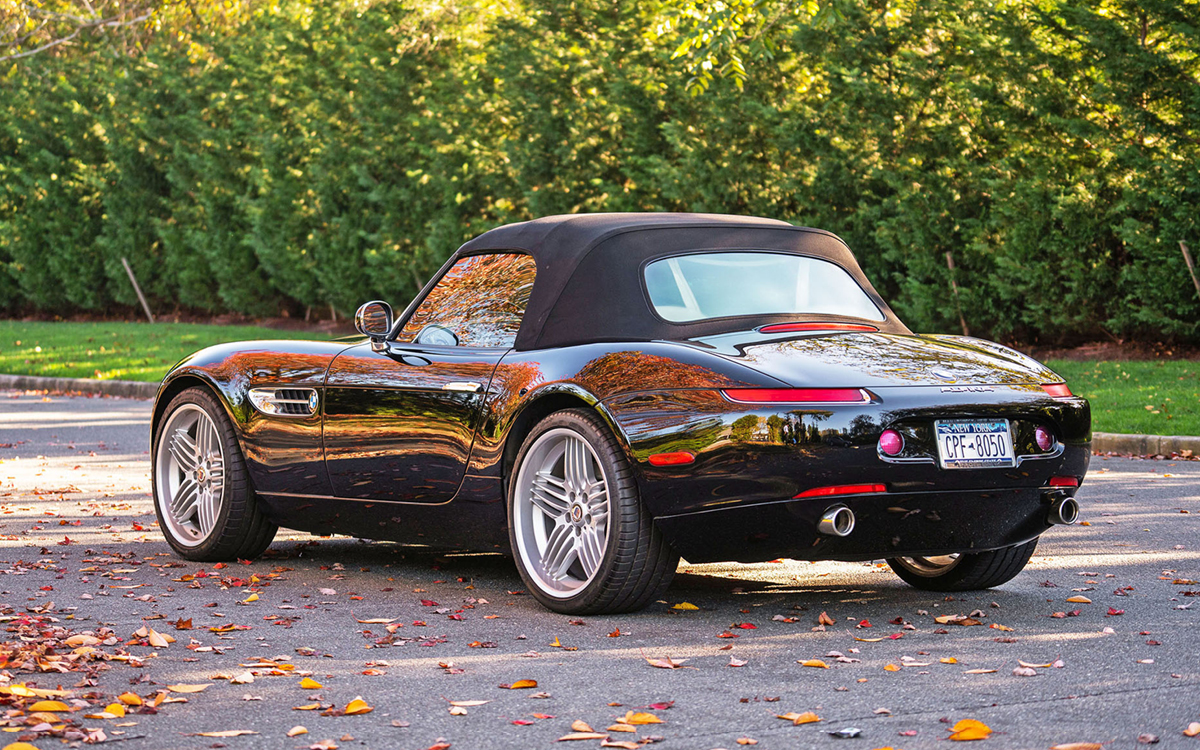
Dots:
{"x": 479, "y": 302}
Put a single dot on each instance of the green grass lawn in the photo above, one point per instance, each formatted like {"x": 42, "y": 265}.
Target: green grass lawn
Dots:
{"x": 115, "y": 351}
{"x": 1148, "y": 398}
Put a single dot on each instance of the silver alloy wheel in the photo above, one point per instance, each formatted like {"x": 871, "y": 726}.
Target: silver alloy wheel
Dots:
{"x": 930, "y": 567}
{"x": 190, "y": 474}
{"x": 561, "y": 512}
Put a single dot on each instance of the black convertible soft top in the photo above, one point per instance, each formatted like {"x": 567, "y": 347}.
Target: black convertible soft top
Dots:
{"x": 589, "y": 271}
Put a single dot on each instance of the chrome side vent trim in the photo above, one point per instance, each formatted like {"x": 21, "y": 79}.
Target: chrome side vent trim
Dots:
{"x": 285, "y": 402}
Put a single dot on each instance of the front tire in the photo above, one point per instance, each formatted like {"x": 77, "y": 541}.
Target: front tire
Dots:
{"x": 205, "y": 504}
{"x": 583, "y": 541}
{"x": 964, "y": 572}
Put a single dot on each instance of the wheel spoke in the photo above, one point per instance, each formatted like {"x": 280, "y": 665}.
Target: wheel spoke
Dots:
{"x": 208, "y": 506}
{"x": 590, "y": 553}
{"x": 547, "y": 493}
{"x": 183, "y": 450}
{"x": 560, "y": 551}
{"x": 575, "y": 465}
{"x": 184, "y": 501}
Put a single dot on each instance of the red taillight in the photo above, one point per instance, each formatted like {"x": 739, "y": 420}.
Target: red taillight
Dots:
{"x": 672, "y": 459}
{"x": 1057, "y": 390}
{"x": 843, "y": 489}
{"x": 797, "y": 395}
{"x": 891, "y": 443}
{"x": 1064, "y": 481}
{"x": 788, "y": 327}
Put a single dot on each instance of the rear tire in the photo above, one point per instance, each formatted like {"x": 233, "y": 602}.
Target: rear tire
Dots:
{"x": 964, "y": 572}
{"x": 582, "y": 540}
{"x": 205, "y": 503}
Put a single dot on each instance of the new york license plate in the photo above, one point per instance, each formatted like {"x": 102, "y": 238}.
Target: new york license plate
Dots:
{"x": 974, "y": 444}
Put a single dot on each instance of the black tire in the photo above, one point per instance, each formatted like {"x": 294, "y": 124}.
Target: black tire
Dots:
{"x": 630, "y": 568}
{"x": 236, "y": 528}
{"x": 966, "y": 572}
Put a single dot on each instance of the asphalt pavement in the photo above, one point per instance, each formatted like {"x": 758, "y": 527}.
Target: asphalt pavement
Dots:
{"x": 412, "y": 633}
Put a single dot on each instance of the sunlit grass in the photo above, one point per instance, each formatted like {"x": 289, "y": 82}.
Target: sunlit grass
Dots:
{"x": 1150, "y": 398}
{"x": 114, "y": 350}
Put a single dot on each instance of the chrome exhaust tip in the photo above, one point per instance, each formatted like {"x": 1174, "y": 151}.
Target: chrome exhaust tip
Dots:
{"x": 838, "y": 520}
{"x": 1064, "y": 510}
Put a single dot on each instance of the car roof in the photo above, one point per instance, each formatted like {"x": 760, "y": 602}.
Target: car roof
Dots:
{"x": 589, "y": 285}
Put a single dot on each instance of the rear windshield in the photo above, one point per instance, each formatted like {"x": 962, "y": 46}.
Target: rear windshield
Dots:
{"x": 700, "y": 286}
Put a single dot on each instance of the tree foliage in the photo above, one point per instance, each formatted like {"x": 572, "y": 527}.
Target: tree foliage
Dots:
{"x": 258, "y": 157}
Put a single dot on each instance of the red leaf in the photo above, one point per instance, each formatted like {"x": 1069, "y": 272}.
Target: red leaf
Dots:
{"x": 865, "y": 624}
{"x": 1114, "y": 612}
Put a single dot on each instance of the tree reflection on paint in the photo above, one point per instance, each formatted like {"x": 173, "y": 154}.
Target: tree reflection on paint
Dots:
{"x": 481, "y": 299}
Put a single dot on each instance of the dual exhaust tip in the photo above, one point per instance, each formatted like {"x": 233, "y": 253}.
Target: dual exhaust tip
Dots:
{"x": 838, "y": 520}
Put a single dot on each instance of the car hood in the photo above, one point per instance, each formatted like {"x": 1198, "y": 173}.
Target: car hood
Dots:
{"x": 880, "y": 360}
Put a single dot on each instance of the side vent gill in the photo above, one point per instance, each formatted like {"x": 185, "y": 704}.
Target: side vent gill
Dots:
{"x": 285, "y": 402}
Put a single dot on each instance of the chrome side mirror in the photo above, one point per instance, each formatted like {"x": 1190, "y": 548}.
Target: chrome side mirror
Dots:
{"x": 374, "y": 319}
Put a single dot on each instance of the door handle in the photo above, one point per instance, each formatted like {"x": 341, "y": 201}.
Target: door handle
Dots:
{"x": 462, "y": 387}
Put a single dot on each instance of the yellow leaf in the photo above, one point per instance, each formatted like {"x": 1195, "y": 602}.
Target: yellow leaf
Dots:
{"x": 158, "y": 640}
{"x": 225, "y": 733}
{"x": 129, "y": 699}
{"x": 522, "y": 684}
{"x": 618, "y": 743}
{"x": 808, "y": 717}
{"x": 948, "y": 660}
{"x": 581, "y": 726}
{"x": 377, "y": 621}
{"x": 49, "y": 706}
{"x": 685, "y": 606}
{"x": 814, "y": 663}
{"x": 251, "y": 598}
{"x": 20, "y": 746}
{"x": 82, "y": 640}
{"x": 187, "y": 688}
{"x": 1079, "y": 600}
{"x": 970, "y": 729}
{"x": 640, "y": 718}
{"x": 296, "y": 731}
{"x": 307, "y": 707}
{"x": 621, "y": 728}
{"x": 116, "y": 709}
{"x": 868, "y": 640}
{"x": 556, "y": 643}
{"x": 358, "y": 706}
{"x": 1034, "y": 666}
{"x": 582, "y": 736}
{"x": 979, "y": 671}
{"x": 309, "y": 683}
{"x": 891, "y": 668}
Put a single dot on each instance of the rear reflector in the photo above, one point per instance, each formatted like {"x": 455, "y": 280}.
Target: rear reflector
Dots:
{"x": 797, "y": 395}
{"x": 1057, "y": 390}
{"x": 843, "y": 489}
{"x": 1064, "y": 481}
{"x": 672, "y": 459}
{"x": 787, "y": 327}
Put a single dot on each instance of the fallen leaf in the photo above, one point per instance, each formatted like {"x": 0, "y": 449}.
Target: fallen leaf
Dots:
{"x": 979, "y": 671}
{"x": 225, "y": 733}
{"x": 1079, "y": 600}
{"x": 824, "y": 619}
{"x": 667, "y": 663}
{"x": 813, "y": 663}
{"x": 245, "y": 678}
{"x": 1025, "y": 672}
{"x": 468, "y": 704}
{"x": 521, "y": 685}
{"x": 357, "y": 706}
{"x": 736, "y": 662}
{"x": 1192, "y": 730}
{"x": 747, "y": 741}
{"x": 956, "y": 620}
{"x": 48, "y": 706}
{"x": 948, "y": 660}
{"x": 625, "y": 745}
{"x": 377, "y": 621}
{"x": 621, "y": 728}
{"x": 581, "y": 726}
{"x": 188, "y": 688}
{"x": 1078, "y": 746}
{"x": 309, "y": 683}
{"x": 458, "y": 711}
{"x": 808, "y": 717}
{"x": 970, "y": 729}
{"x": 638, "y": 719}
{"x": 251, "y": 598}
{"x": 582, "y": 736}
{"x": 296, "y": 731}
{"x": 891, "y": 668}
{"x": 130, "y": 699}
{"x": 998, "y": 626}
{"x": 685, "y": 606}
{"x": 1035, "y": 666}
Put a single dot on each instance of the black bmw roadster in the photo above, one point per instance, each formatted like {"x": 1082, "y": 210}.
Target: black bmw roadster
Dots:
{"x": 601, "y": 394}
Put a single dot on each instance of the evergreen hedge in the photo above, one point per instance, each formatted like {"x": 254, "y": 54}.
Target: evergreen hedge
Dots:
{"x": 323, "y": 154}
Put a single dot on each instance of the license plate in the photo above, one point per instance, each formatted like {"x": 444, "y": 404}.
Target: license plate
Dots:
{"x": 974, "y": 444}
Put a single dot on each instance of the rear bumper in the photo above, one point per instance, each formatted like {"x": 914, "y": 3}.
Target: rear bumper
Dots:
{"x": 886, "y": 525}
